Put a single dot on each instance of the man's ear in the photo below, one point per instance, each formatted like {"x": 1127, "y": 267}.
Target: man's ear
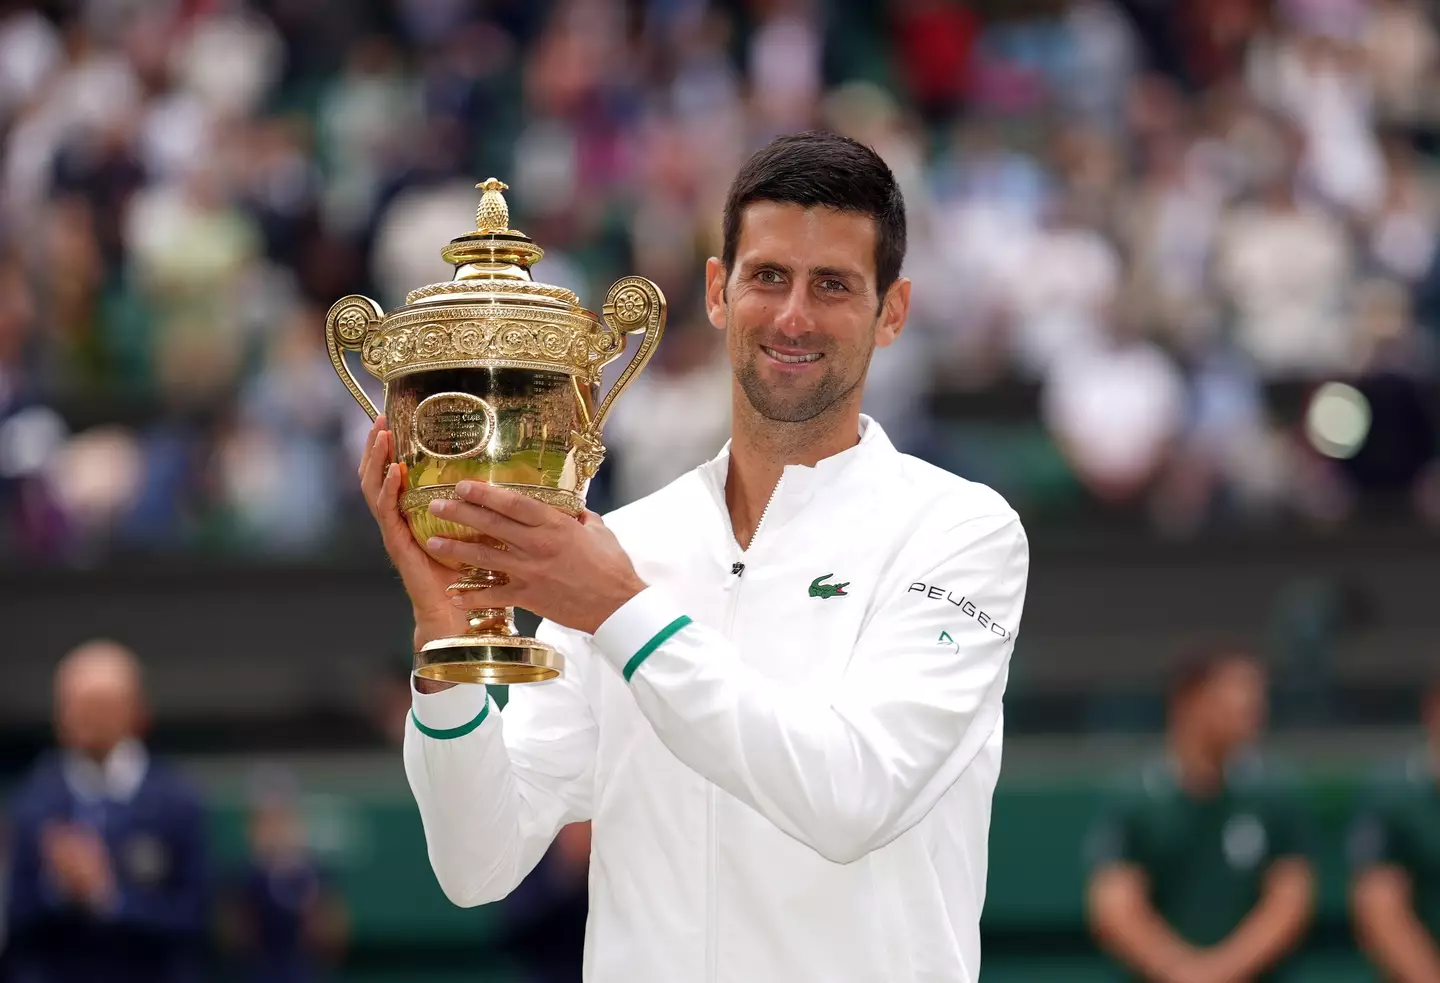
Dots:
{"x": 715, "y": 292}
{"x": 894, "y": 309}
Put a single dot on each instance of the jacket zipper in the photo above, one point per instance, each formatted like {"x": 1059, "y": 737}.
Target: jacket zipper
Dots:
{"x": 712, "y": 862}
{"x": 764, "y": 514}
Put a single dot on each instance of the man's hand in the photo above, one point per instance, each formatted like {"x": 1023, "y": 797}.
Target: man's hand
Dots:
{"x": 1208, "y": 966}
{"x": 425, "y": 581}
{"x": 573, "y": 573}
{"x": 77, "y": 858}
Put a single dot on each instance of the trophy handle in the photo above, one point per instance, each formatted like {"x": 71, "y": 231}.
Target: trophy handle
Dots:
{"x": 633, "y": 304}
{"x": 350, "y": 320}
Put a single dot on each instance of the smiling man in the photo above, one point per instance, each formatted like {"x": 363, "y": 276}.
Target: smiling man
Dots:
{"x": 788, "y": 755}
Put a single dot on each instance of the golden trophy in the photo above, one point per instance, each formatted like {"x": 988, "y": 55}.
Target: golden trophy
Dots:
{"x": 493, "y": 377}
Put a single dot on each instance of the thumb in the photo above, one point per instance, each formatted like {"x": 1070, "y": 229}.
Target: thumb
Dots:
{"x": 588, "y": 518}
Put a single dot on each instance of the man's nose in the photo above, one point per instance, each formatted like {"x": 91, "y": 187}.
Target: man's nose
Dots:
{"x": 796, "y": 315}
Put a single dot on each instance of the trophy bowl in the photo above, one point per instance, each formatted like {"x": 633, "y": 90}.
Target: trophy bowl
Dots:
{"x": 494, "y": 377}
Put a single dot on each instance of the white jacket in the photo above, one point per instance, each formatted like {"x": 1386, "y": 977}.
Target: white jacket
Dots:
{"x": 787, "y": 783}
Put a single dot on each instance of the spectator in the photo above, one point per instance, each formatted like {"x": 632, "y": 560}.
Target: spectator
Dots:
{"x": 1202, "y": 873}
{"x": 1286, "y": 269}
{"x": 283, "y": 920}
{"x": 108, "y": 877}
{"x": 1115, "y": 409}
{"x": 1395, "y": 859}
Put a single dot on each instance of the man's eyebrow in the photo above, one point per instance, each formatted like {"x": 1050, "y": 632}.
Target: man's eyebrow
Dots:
{"x": 836, "y": 271}
{"x": 767, "y": 264}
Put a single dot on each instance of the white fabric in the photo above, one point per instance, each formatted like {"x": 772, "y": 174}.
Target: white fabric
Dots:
{"x": 790, "y": 788}
{"x": 117, "y": 778}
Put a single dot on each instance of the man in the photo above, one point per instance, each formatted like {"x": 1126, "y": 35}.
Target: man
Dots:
{"x": 284, "y": 919}
{"x": 784, "y": 671}
{"x": 1395, "y": 851}
{"x": 108, "y": 876}
{"x": 1201, "y": 874}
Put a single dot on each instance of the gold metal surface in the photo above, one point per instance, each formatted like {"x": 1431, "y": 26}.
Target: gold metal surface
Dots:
{"x": 493, "y": 377}
{"x": 349, "y": 325}
{"x": 520, "y": 289}
{"x": 557, "y": 498}
{"x": 497, "y": 661}
{"x": 437, "y": 335}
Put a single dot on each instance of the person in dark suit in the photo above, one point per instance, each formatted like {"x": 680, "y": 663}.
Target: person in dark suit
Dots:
{"x": 284, "y": 920}
{"x": 108, "y": 874}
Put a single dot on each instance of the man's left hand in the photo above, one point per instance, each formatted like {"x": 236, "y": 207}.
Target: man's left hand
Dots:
{"x": 574, "y": 573}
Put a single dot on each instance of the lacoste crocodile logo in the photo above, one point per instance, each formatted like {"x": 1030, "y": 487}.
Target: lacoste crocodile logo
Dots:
{"x": 818, "y": 589}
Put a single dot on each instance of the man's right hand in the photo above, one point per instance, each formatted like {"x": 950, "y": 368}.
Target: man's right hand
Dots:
{"x": 77, "y": 859}
{"x": 382, "y": 481}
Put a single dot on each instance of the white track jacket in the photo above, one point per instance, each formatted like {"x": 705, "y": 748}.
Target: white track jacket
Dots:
{"x": 788, "y": 752}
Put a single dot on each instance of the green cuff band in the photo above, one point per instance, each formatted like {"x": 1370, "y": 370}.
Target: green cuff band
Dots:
{"x": 661, "y": 637}
{"x": 450, "y": 733}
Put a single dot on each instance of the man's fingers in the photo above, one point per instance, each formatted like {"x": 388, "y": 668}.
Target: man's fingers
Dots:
{"x": 373, "y": 474}
{"x": 376, "y": 429}
{"x": 475, "y": 554}
{"x": 385, "y": 494}
{"x": 387, "y": 500}
{"x": 365, "y": 453}
{"x": 522, "y": 508}
{"x": 491, "y": 523}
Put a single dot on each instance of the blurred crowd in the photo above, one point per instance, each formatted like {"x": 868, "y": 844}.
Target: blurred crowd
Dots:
{"x": 1149, "y": 219}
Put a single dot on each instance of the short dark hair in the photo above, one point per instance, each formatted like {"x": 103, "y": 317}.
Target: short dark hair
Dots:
{"x": 822, "y": 169}
{"x": 1201, "y": 664}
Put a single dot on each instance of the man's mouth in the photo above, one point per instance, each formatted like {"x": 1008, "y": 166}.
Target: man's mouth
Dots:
{"x": 792, "y": 358}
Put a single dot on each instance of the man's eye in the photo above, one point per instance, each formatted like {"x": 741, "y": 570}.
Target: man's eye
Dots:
{"x": 768, "y": 276}
{"x": 833, "y": 284}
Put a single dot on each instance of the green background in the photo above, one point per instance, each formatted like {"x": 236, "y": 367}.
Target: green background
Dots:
{"x": 403, "y": 928}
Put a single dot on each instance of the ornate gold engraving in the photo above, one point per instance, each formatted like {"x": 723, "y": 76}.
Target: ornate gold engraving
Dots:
{"x": 589, "y": 453}
{"x": 521, "y": 287}
{"x": 492, "y": 214}
{"x": 418, "y": 499}
{"x": 562, "y": 341}
{"x": 453, "y": 426}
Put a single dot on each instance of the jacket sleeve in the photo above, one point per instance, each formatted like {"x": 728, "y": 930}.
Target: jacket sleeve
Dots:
{"x": 847, "y": 770}
{"x": 31, "y": 900}
{"x": 494, "y": 792}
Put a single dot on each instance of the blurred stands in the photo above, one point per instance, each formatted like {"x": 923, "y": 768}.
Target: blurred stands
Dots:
{"x": 1142, "y": 234}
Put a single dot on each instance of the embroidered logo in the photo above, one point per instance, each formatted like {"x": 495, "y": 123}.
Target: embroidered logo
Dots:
{"x": 817, "y": 589}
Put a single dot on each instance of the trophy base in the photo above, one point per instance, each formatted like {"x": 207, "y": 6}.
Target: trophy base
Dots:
{"x": 500, "y": 660}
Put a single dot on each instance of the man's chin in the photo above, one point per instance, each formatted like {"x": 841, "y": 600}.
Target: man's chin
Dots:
{"x": 787, "y": 411}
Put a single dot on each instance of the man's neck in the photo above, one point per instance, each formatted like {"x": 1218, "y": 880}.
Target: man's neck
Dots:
{"x": 761, "y": 449}
{"x": 1201, "y": 769}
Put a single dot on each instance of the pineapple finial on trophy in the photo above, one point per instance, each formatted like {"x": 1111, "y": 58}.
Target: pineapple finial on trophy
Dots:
{"x": 492, "y": 215}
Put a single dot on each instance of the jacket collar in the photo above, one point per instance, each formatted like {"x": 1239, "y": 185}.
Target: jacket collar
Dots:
{"x": 800, "y": 483}
{"x": 117, "y": 778}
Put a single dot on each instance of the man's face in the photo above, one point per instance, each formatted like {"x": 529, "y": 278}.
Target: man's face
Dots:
{"x": 1234, "y": 704}
{"x": 800, "y": 308}
{"x": 95, "y": 711}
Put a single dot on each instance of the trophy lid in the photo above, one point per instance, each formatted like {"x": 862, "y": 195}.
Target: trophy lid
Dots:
{"x": 494, "y": 259}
